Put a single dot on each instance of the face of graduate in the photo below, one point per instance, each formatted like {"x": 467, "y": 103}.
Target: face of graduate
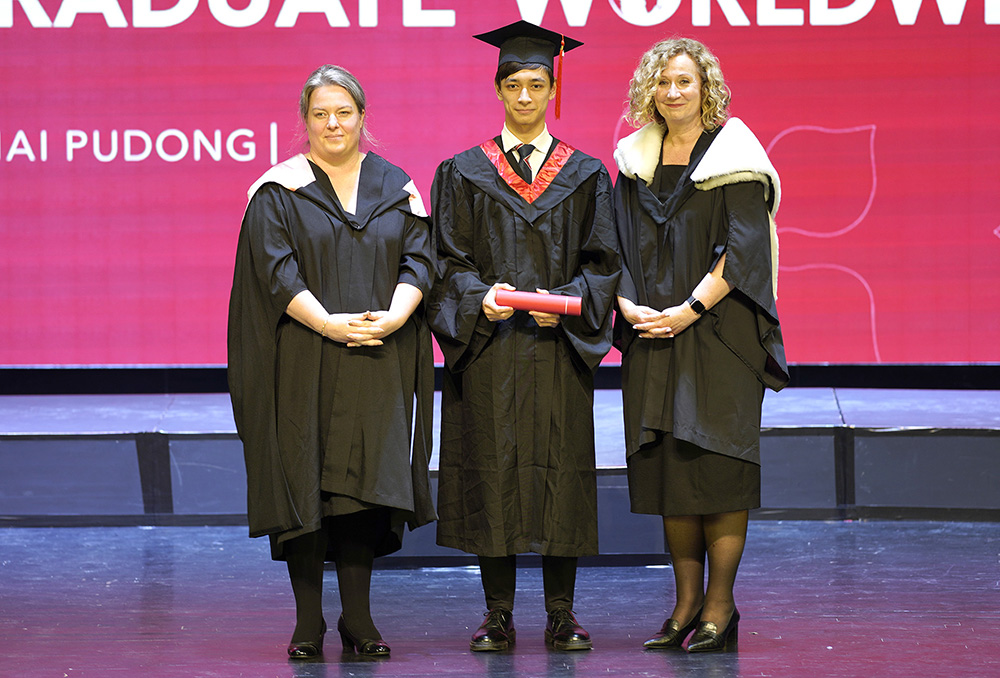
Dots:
{"x": 678, "y": 93}
{"x": 526, "y": 96}
{"x": 334, "y": 124}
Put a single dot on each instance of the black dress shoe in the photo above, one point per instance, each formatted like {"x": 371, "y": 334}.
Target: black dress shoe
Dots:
{"x": 495, "y": 633}
{"x": 708, "y": 639}
{"x": 368, "y": 647}
{"x": 564, "y": 633}
{"x": 672, "y": 634}
{"x": 309, "y": 648}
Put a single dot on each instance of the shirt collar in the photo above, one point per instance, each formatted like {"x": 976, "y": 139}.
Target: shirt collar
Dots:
{"x": 541, "y": 143}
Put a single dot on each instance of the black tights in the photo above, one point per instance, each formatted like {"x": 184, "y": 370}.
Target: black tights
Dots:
{"x": 719, "y": 537}
{"x": 354, "y": 553}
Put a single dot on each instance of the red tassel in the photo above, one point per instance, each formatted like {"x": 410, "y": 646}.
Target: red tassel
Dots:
{"x": 559, "y": 77}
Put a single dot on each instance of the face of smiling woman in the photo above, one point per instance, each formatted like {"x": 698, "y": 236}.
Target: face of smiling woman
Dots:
{"x": 334, "y": 124}
{"x": 678, "y": 93}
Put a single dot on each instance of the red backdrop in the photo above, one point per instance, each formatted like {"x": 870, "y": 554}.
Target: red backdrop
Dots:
{"x": 129, "y": 132}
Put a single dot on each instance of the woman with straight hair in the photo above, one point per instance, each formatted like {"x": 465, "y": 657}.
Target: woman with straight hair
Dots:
{"x": 330, "y": 361}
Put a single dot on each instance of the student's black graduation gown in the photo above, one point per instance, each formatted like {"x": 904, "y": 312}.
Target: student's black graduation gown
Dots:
{"x": 517, "y": 470}
{"x": 705, "y": 385}
{"x": 314, "y": 415}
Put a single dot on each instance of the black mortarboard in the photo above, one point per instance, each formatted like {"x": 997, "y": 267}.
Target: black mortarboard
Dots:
{"x": 524, "y": 42}
{"x": 527, "y": 43}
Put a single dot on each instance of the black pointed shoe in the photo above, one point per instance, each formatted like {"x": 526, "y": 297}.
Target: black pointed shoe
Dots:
{"x": 309, "y": 648}
{"x": 495, "y": 633}
{"x": 708, "y": 639}
{"x": 563, "y": 632}
{"x": 672, "y": 634}
{"x": 368, "y": 647}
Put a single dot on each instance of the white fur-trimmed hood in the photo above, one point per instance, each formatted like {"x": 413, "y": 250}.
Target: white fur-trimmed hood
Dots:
{"x": 295, "y": 173}
{"x": 638, "y": 154}
{"x": 292, "y": 174}
{"x": 735, "y": 156}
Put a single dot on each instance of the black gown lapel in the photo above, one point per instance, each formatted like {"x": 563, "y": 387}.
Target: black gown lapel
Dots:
{"x": 477, "y": 169}
{"x": 376, "y": 192}
{"x": 662, "y": 212}
{"x": 374, "y": 197}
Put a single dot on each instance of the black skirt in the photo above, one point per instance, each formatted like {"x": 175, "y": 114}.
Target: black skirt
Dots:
{"x": 370, "y": 525}
{"x": 672, "y": 477}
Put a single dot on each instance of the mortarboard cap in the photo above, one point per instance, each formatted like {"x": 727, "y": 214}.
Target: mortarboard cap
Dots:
{"x": 524, "y": 42}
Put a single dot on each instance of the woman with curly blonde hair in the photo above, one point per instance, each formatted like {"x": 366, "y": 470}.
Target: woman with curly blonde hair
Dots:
{"x": 697, "y": 326}
{"x": 715, "y": 94}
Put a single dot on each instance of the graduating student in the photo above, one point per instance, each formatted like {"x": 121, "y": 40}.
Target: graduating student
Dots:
{"x": 328, "y": 350}
{"x": 522, "y": 211}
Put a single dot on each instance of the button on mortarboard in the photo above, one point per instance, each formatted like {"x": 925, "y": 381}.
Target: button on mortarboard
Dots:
{"x": 524, "y": 42}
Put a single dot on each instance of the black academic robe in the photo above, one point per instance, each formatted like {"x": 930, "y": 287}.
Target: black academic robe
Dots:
{"x": 517, "y": 468}
{"x": 318, "y": 418}
{"x": 705, "y": 385}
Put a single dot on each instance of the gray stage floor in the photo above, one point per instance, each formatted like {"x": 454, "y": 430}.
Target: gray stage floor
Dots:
{"x": 818, "y": 599}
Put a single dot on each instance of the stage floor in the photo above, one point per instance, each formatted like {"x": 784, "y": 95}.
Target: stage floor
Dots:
{"x": 818, "y": 599}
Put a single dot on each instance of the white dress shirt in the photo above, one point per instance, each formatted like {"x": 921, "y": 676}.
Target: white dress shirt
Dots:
{"x": 541, "y": 143}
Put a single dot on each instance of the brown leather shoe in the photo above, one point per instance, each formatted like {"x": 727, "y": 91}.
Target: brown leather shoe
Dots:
{"x": 564, "y": 633}
{"x": 495, "y": 633}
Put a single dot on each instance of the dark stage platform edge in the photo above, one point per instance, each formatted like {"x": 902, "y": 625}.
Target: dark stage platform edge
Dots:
{"x": 828, "y": 453}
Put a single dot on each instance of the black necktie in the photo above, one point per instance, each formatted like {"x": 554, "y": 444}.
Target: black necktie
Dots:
{"x": 523, "y": 168}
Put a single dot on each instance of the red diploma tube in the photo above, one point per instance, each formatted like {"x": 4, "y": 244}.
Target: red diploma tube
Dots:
{"x": 546, "y": 303}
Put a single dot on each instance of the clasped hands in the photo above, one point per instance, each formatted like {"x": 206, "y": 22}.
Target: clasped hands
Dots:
{"x": 495, "y": 313}
{"x": 653, "y": 324}
{"x": 361, "y": 329}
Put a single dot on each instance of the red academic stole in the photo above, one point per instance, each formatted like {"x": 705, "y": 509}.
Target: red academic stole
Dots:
{"x": 545, "y": 176}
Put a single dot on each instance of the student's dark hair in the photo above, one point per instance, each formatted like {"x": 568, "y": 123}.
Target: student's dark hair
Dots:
{"x": 508, "y": 69}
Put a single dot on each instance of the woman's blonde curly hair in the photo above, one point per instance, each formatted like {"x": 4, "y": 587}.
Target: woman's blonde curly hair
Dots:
{"x": 715, "y": 94}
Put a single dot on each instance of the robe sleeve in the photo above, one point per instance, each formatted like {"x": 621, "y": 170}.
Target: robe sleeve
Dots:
{"x": 416, "y": 267}
{"x": 623, "y": 203}
{"x": 265, "y": 279}
{"x": 596, "y": 278}
{"x": 455, "y": 309}
{"x": 619, "y": 201}
{"x": 748, "y": 245}
{"x": 423, "y": 424}
{"x": 748, "y": 269}
{"x": 272, "y": 249}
